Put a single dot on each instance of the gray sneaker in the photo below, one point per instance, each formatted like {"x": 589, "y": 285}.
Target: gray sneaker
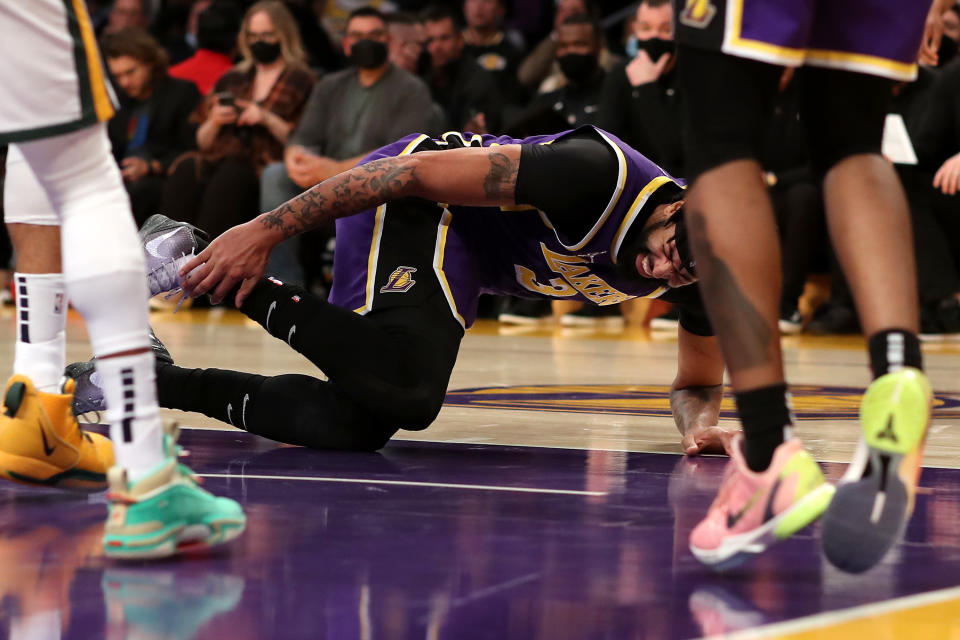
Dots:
{"x": 168, "y": 245}
{"x": 88, "y": 393}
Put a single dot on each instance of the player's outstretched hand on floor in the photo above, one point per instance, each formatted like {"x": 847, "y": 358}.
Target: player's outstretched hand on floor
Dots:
{"x": 712, "y": 439}
{"x": 237, "y": 256}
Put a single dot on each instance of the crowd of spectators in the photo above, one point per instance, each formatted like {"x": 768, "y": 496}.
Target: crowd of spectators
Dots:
{"x": 228, "y": 108}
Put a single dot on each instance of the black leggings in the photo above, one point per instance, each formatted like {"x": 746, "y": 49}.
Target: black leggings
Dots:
{"x": 387, "y": 370}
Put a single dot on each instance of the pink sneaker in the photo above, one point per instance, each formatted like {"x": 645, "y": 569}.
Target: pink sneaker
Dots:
{"x": 754, "y": 510}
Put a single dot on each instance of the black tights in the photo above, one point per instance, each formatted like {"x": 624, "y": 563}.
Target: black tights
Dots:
{"x": 387, "y": 370}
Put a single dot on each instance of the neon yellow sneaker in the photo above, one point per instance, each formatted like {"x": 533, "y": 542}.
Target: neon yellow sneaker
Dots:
{"x": 166, "y": 512}
{"x": 875, "y": 497}
{"x": 41, "y": 443}
{"x": 753, "y": 510}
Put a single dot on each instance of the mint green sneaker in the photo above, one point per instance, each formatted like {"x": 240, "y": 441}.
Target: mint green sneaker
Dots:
{"x": 166, "y": 512}
{"x": 875, "y": 497}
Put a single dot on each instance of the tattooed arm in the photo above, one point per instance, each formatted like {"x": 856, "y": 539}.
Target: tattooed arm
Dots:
{"x": 471, "y": 176}
{"x": 696, "y": 394}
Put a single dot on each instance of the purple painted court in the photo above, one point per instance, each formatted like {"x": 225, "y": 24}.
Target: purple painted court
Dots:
{"x": 427, "y": 540}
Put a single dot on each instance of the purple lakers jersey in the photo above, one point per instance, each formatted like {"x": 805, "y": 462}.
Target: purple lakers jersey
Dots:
{"x": 516, "y": 251}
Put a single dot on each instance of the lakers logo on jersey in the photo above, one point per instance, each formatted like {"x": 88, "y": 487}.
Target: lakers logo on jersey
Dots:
{"x": 698, "y": 13}
{"x": 492, "y": 62}
{"x": 400, "y": 281}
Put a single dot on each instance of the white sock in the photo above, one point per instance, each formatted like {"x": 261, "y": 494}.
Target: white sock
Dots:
{"x": 40, "y": 352}
{"x": 130, "y": 390}
{"x": 43, "y": 624}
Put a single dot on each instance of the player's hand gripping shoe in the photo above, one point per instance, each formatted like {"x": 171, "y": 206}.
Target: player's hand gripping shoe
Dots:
{"x": 875, "y": 497}
{"x": 168, "y": 245}
{"x": 166, "y": 511}
{"x": 88, "y": 395}
{"x": 753, "y": 510}
{"x": 42, "y": 444}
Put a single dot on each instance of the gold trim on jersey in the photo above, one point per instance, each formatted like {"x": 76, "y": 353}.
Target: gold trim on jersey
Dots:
{"x": 438, "y": 255}
{"x": 734, "y": 43}
{"x": 102, "y": 104}
{"x": 634, "y": 211}
{"x": 377, "y": 232}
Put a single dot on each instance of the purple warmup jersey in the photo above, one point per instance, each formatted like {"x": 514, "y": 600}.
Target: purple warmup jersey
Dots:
{"x": 877, "y": 37}
{"x": 514, "y": 251}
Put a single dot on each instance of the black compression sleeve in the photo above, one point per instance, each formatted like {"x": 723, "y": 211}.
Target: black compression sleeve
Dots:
{"x": 693, "y": 315}
{"x": 571, "y": 181}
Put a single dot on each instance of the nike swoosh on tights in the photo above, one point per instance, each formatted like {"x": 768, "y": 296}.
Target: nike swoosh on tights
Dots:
{"x": 243, "y": 412}
{"x": 273, "y": 305}
{"x": 229, "y": 417}
{"x": 154, "y": 245}
{"x": 293, "y": 330}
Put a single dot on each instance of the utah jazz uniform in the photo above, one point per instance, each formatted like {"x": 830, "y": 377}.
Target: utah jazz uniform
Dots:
{"x": 403, "y": 252}
{"x": 877, "y": 37}
{"x": 52, "y": 81}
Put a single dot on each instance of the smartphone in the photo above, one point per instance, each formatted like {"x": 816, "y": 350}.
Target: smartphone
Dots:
{"x": 225, "y": 98}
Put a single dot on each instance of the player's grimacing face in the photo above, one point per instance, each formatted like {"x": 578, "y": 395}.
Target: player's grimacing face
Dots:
{"x": 660, "y": 260}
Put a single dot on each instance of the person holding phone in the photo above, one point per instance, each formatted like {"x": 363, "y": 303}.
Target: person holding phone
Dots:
{"x": 244, "y": 123}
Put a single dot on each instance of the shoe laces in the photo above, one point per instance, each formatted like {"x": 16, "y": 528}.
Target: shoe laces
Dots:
{"x": 166, "y": 277}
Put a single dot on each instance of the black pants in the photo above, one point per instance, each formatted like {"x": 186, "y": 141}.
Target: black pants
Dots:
{"x": 212, "y": 196}
{"x": 387, "y": 370}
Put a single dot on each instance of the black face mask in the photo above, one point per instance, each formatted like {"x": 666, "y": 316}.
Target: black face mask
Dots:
{"x": 948, "y": 50}
{"x": 424, "y": 64}
{"x": 265, "y": 52}
{"x": 656, "y": 47}
{"x": 578, "y": 67}
{"x": 368, "y": 54}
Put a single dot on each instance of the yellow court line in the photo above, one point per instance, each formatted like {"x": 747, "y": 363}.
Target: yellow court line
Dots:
{"x": 935, "y": 614}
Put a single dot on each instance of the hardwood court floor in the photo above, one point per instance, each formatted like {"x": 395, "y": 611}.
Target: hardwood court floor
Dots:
{"x": 549, "y": 500}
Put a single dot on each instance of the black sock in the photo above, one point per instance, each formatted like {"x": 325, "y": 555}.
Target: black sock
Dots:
{"x": 894, "y": 349}
{"x": 765, "y": 414}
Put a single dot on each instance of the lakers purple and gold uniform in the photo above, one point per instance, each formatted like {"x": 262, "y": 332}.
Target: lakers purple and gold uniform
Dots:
{"x": 403, "y": 252}
{"x": 878, "y": 37}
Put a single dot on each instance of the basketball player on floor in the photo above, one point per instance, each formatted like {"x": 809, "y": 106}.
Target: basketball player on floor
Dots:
{"x": 575, "y": 216}
{"x": 63, "y": 189}
{"x": 849, "y": 52}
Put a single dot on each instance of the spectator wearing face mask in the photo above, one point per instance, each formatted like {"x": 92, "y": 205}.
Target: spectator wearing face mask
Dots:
{"x": 539, "y": 70}
{"x": 349, "y": 113}
{"x": 245, "y": 122}
{"x": 641, "y": 102}
{"x": 578, "y": 101}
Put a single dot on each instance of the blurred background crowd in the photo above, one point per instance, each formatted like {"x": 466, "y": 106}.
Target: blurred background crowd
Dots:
{"x": 229, "y": 108}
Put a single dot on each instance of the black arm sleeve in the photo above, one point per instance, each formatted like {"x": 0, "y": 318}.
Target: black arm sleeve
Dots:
{"x": 693, "y": 315}
{"x": 571, "y": 181}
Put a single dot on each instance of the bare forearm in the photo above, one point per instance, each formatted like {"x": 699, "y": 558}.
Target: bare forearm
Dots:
{"x": 696, "y": 406}
{"x": 207, "y": 134}
{"x": 472, "y": 176}
{"x": 353, "y": 191}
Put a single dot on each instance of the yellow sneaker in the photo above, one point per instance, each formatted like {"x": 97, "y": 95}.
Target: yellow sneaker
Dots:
{"x": 41, "y": 443}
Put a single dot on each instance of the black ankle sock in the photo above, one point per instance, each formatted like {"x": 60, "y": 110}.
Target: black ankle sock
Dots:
{"x": 894, "y": 349}
{"x": 765, "y": 413}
